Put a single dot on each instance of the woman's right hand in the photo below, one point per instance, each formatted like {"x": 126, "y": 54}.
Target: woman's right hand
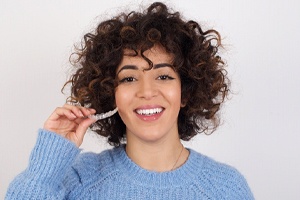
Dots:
{"x": 70, "y": 122}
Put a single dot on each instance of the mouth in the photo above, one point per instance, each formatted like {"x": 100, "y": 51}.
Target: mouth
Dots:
{"x": 149, "y": 112}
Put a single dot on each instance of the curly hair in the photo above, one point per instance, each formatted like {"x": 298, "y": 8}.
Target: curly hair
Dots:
{"x": 204, "y": 81}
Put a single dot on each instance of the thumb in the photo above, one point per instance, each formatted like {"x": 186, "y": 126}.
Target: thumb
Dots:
{"x": 81, "y": 130}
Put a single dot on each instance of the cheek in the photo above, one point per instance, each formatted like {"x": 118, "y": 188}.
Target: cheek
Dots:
{"x": 174, "y": 95}
{"x": 123, "y": 98}
{"x": 124, "y": 102}
{"x": 119, "y": 96}
{"x": 120, "y": 102}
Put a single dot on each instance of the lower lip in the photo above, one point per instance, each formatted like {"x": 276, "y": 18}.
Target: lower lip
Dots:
{"x": 149, "y": 118}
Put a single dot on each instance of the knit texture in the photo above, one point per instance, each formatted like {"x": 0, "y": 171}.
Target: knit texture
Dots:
{"x": 57, "y": 170}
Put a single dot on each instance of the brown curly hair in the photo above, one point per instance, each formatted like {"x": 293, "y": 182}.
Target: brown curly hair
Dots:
{"x": 204, "y": 80}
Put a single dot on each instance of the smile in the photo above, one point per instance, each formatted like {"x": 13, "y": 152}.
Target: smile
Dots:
{"x": 149, "y": 112}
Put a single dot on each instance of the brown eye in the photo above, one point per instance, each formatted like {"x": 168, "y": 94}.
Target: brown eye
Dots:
{"x": 127, "y": 79}
{"x": 165, "y": 77}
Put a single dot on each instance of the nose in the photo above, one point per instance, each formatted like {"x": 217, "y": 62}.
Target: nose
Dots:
{"x": 147, "y": 89}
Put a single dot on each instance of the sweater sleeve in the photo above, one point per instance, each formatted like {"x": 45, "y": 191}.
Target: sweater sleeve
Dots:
{"x": 239, "y": 187}
{"x": 222, "y": 181}
{"x": 49, "y": 162}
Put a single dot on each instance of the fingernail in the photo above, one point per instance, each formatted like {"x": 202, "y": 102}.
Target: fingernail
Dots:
{"x": 93, "y": 110}
{"x": 88, "y": 111}
{"x": 80, "y": 113}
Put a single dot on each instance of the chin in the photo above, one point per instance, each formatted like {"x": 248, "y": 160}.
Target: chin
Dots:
{"x": 150, "y": 136}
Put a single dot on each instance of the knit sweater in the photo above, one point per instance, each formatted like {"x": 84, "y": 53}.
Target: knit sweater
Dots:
{"x": 57, "y": 170}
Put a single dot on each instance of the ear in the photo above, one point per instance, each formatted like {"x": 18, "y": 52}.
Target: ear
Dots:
{"x": 183, "y": 102}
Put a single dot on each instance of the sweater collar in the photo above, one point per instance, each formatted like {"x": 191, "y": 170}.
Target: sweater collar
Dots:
{"x": 180, "y": 176}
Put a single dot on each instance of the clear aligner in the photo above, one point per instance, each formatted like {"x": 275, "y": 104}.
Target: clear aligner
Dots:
{"x": 104, "y": 115}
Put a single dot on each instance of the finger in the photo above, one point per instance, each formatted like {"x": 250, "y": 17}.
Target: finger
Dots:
{"x": 81, "y": 130}
{"x": 62, "y": 112}
{"x": 80, "y": 111}
{"x": 75, "y": 109}
{"x": 87, "y": 111}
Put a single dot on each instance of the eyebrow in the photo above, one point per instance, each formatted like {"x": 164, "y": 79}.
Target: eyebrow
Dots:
{"x": 134, "y": 67}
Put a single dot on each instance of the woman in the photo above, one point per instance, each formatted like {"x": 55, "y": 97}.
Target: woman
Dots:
{"x": 167, "y": 81}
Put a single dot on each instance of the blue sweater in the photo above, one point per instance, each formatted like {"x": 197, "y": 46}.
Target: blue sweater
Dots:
{"x": 57, "y": 170}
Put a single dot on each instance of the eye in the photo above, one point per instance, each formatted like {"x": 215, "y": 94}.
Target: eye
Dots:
{"x": 127, "y": 79}
{"x": 165, "y": 77}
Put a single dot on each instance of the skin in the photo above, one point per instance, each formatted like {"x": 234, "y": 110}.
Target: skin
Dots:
{"x": 153, "y": 141}
{"x": 70, "y": 122}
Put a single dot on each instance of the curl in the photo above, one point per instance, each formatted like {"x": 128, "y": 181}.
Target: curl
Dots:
{"x": 204, "y": 81}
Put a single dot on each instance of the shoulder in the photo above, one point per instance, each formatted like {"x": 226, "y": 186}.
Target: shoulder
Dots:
{"x": 90, "y": 166}
{"x": 224, "y": 179}
{"x": 96, "y": 161}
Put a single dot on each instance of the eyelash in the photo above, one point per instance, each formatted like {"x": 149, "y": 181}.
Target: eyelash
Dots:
{"x": 162, "y": 77}
{"x": 165, "y": 77}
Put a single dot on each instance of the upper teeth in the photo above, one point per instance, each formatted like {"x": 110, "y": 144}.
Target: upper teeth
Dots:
{"x": 149, "y": 111}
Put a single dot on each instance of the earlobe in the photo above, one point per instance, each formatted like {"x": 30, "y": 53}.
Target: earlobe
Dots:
{"x": 183, "y": 103}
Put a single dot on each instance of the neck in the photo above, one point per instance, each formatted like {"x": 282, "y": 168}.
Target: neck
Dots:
{"x": 160, "y": 157}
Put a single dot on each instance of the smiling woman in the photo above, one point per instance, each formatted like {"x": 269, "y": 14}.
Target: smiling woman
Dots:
{"x": 167, "y": 80}
{"x": 149, "y": 101}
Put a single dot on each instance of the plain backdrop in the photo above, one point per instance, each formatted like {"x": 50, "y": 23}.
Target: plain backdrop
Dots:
{"x": 260, "y": 131}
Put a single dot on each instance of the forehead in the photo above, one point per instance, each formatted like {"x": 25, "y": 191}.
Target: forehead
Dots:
{"x": 156, "y": 55}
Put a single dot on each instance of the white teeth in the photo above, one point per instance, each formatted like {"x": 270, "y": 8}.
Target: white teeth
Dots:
{"x": 149, "y": 111}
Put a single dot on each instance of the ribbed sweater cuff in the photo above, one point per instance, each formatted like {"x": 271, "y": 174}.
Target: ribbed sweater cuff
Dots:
{"x": 51, "y": 157}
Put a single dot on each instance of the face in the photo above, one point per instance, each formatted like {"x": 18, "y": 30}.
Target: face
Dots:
{"x": 148, "y": 101}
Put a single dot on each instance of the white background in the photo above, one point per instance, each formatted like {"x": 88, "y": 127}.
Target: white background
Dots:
{"x": 260, "y": 131}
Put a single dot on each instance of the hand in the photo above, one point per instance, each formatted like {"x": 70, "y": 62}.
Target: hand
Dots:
{"x": 70, "y": 122}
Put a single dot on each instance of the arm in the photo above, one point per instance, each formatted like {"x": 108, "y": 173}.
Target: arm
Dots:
{"x": 53, "y": 155}
{"x": 50, "y": 159}
{"x": 239, "y": 187}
